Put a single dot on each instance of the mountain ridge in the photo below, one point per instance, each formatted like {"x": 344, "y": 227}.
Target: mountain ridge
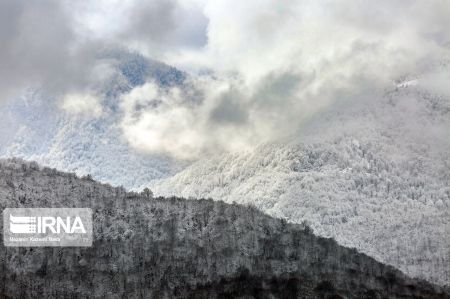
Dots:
{"x": 373, "y": 174}
{"x": 157, "y": 247}
{"x": 35, "y": 127}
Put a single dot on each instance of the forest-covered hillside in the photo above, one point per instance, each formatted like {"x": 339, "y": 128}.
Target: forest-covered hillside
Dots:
{"x": 175, "y": 248}
{"x": 372, "y": 174}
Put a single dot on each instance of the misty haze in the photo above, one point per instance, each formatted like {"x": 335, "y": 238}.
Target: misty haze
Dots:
{"x": 229, "y": 149}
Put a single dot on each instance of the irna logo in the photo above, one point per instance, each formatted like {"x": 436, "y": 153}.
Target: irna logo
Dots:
{"x": 47, "y": 227}
{"x": 42, "y": 225}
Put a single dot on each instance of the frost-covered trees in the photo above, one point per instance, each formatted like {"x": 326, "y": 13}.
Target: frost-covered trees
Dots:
{"x": 147, "y": 193}
{"x": 375, "y": 176}
{"x": 34, "y": 127}
{"x": 177, "y": 248}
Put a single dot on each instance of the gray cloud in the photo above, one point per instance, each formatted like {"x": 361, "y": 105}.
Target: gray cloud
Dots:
{"x": 34, "y": 37}
{"x": 229, "y": 110}
{"x": 55, "y": 44}
{"x": 163, "y": 25}
{"x": 276, "y": 64}
{"x": 41, "y": 48}
{"x": 151, "y": 21}
{"x": 270, "y": 65}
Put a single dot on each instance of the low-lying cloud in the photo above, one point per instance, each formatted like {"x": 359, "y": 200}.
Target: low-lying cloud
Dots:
{"x": 275, "y": 64}
{"x": 40, "y": 48}
{"x": 257, "y": 69}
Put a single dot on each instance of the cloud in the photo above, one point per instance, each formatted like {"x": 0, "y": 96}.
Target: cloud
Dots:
{"x": 162, "y": 26}
{"x": 229, "y": 110}
{"x": 56, "y": 45}
{"x": 436, "y": 81}
{"x": 86, "y": 104}
{"x": 278, "y": 63}
{"x": 156, "y": 120}
{"x": 151, "y": 21}
{"x": 42, "y": 48}
{"x": 258, "y": 68}
{"x": 34, "y": 36}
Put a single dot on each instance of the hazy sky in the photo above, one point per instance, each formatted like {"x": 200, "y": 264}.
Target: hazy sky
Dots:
{"x": 270, "y": 64}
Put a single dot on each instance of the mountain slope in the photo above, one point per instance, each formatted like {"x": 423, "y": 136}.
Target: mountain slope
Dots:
{"x": 35, "y": 127}
{"x": 373, "y": 174}
{"x": 178, "y": 248}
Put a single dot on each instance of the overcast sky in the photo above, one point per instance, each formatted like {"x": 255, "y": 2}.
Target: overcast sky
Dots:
{"x": 272, "y": 63}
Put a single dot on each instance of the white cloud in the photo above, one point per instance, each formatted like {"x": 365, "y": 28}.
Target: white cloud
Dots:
{"x": 271, "y": 64}
{"x": 86, "y": 104}
{"x": 281, "y": 62}
{"x": 160, "y": 120}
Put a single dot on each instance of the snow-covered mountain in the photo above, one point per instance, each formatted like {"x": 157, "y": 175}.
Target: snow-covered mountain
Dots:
{"x": 175, "y": 248}
{"x": 35, "y": 127}
{"x": 373, "y": 174}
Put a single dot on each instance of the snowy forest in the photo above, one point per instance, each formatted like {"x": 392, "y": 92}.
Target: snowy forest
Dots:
{"x": 173, "y": 247}
{"x": 368, "y": 174}
{"x": 229, "y": 148}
